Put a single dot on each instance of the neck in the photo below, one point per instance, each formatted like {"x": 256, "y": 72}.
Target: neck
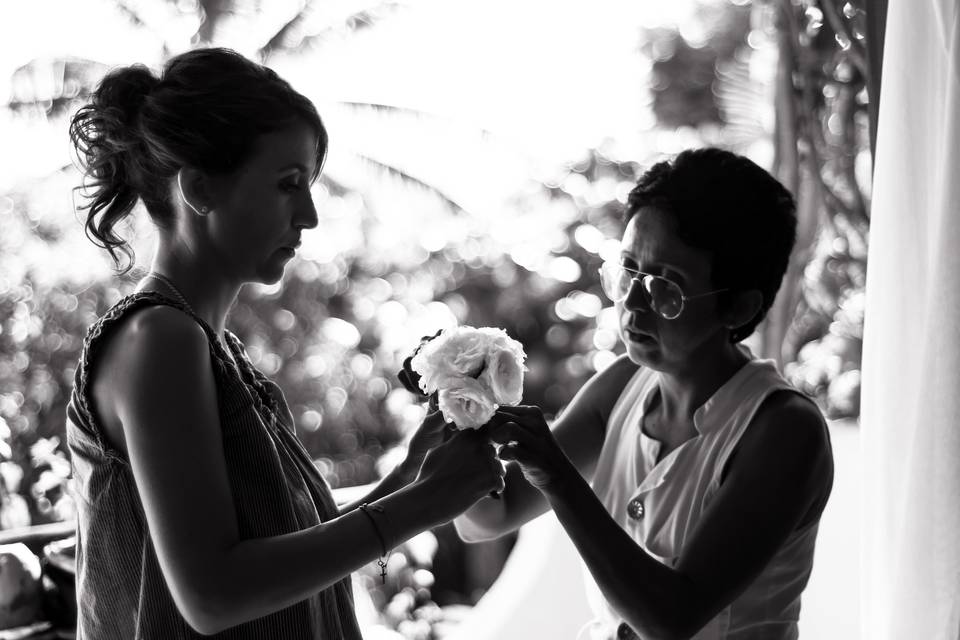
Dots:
{"x": 204, "y": 286}
{"x": 684, "y": 391}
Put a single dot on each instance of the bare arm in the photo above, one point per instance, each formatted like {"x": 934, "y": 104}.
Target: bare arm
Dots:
{"x": 429, "y": 435}
{"x": 579, "y": 430}
{"x": 783, "y": 471}
{"x": 216, "y": 579}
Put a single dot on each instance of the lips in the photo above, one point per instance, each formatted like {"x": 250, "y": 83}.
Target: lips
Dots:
{"x": 637, "y": 336}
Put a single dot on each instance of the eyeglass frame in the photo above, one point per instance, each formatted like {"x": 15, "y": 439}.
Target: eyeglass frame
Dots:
{"x": 649, "y": 297}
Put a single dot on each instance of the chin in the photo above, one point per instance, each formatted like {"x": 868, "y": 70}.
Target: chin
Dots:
{"x": 268, "y": 275}
{"x": 646, "y": 354}
{"x": 644, "y": 357}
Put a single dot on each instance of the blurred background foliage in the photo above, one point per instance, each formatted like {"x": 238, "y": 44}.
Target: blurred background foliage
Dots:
{"x": 782, "y": 81}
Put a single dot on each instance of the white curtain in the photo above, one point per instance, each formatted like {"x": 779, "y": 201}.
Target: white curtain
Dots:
{"x": 910, "y": 417}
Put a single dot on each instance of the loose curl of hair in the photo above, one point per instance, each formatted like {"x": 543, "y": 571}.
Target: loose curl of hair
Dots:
{"x": 206, "y": 111}
{"x": 726, "y": 205}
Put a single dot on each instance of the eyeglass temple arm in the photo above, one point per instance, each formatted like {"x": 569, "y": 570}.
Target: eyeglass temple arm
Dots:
{"x": 708, "y": 293}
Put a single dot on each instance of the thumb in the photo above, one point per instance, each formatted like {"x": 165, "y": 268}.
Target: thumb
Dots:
{"x": 434, "y": 421}
{"x": 434, "y": 418}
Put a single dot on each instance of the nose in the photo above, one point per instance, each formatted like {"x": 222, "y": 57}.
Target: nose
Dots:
{"x": 636, "y": 299}
{"x": 306, "y": 216}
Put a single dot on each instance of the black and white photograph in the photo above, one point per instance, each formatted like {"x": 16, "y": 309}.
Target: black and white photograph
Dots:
{"x": 461, "y": 320}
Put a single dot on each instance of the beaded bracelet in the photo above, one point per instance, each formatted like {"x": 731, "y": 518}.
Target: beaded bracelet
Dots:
{"x": 383, "y": 544}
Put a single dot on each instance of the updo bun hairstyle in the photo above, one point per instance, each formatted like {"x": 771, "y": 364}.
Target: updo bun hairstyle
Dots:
{"x": 205, "y": 110}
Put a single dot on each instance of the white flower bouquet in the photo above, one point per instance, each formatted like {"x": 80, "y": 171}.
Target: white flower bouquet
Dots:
{"x": 467, "y": 372}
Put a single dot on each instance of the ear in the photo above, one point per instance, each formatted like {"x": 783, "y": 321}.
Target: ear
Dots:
{"x": 195, "y": 190}
{"x": 742, "y": 308}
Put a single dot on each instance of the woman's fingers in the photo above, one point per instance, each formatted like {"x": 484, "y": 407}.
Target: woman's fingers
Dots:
{"x": 512, "y": 452}
{"x": 497, "y": 466}
{"x": 495, "y": 460}
{"x": 511, "y": 432}
{"x": 499, "y": 418}
{"x": 521, "y": 410}
{"x": 447, "y": 429}
{"x": 501, "y": 485}
{"x": 431, "y": 433}
{"x": 530, "y": 417}
{"x": 434, "y": 420}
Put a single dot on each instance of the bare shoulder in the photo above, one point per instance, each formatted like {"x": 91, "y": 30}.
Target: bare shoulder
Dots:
{"x": 162, "y": 321}
{"x": 789, "y": 438}
{"x": 777, "y": 482}
{"x": 582, "y": 424}
{"x": 165, "y": 412}
{"x": 600, "y": 393}
{"x": 145, "y": 350}
{"x": 786, "y": 416}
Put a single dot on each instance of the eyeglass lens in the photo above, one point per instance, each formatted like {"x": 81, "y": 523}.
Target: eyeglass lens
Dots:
{"x": 663, "y": 296}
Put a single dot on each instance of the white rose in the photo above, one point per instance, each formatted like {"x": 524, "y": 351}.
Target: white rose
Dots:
{"x": 504, "y": 376}
{"x": 468, "y": 349}
{"x": 456, "y": 353}
{"x": 501, "y": 338}
{"x": 467, "y": 403}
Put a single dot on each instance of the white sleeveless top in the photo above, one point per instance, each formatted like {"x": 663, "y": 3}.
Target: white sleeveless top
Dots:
{"x": 660, "y": 504}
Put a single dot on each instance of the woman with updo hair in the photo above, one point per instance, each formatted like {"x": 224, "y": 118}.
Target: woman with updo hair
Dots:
{"x": 199, "y": 510}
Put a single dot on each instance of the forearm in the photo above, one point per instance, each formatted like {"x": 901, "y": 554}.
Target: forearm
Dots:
{"x": 489, "y": 518}
{"x": 483, "y": 521}
{"x": 657, "y": 601}
{"x": 401, "y": 476}
{"x": 260, "y": 576}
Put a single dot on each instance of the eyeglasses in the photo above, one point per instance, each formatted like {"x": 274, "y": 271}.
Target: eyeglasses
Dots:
{"x": 663, "y": 296}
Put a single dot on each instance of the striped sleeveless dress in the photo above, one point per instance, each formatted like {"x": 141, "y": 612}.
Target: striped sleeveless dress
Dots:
{"x": 276, "y": 488}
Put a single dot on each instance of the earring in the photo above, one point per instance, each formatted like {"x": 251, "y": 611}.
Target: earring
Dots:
{"x": 202, "y": 211}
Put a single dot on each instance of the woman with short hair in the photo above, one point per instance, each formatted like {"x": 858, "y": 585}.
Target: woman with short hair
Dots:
{"x": 689, "y": 475}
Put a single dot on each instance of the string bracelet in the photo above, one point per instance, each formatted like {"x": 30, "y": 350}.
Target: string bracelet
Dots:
{"x": 382, "y": 560}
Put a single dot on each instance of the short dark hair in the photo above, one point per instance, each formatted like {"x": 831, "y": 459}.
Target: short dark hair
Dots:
{"x": 205, "y": 110}
{"x": 728, "y": 206}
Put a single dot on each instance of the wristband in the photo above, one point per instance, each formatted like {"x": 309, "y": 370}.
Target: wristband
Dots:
{"x": 383, "y": 543}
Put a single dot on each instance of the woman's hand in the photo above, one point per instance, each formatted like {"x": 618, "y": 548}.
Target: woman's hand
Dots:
{"x": 431, "y": 433}
{"x": 527, "y": 440}
{"x": 460, "y": 471}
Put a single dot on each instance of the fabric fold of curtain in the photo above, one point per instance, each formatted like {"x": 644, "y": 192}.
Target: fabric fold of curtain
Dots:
{"x": 910, "y": 417}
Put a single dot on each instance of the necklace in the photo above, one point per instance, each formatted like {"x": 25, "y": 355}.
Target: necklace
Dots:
{"x": 176, "y": 292}
{"x": 179, "y": 296}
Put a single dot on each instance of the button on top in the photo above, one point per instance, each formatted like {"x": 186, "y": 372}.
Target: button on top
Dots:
{"x": 635, "y": 508}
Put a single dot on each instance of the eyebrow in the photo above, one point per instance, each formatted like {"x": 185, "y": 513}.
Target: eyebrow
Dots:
{"x": 295, "y": 165}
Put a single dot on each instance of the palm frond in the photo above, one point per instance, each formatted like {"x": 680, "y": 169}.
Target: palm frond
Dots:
{"x": 742, "y": 103}
{"x": 334, "y": 186}
{"x": 292, "y": 35}
{"x": 50, "y": 85}
{"x": 394, "y": 110}
{"x": 409, "y": 179}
